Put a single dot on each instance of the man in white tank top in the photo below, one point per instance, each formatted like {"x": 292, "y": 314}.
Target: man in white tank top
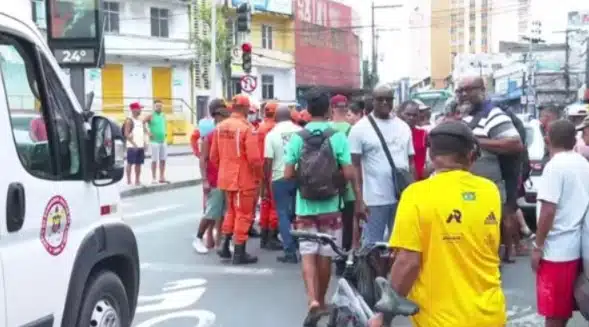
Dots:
{"x": 135, "y": 132}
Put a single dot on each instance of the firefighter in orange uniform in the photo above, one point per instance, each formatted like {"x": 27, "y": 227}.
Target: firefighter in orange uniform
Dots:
{"x": 235, "y": 151}
{"x": 268, "y": 216}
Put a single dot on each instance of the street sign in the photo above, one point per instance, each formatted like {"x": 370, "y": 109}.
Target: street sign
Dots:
{"x": 248, "y": 83}
{"x": 236, "y": 53}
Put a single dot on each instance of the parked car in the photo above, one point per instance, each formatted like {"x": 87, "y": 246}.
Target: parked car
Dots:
{"x": 536, "y": 150}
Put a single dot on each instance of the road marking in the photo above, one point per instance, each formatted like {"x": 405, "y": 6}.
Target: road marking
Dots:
{"x": 204, "y": 318}
{"x": 158, "y": 225}
{"x": 207, "y": 269}
{"x": 150, "y": 212}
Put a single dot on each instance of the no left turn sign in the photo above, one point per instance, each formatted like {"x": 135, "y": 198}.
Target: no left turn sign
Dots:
{"x": 248, "y": 83}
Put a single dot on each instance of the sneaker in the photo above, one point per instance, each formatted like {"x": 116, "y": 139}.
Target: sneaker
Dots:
{"x": 199, "y": 246}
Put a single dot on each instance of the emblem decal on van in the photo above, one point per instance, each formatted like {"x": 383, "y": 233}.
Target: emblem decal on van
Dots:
{"x": 55, "y": 225}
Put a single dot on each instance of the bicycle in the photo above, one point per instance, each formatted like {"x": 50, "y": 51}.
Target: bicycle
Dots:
{"x": 349, "y": 307}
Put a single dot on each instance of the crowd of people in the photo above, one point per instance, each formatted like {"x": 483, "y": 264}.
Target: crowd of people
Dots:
{"x": 444, "y": 197}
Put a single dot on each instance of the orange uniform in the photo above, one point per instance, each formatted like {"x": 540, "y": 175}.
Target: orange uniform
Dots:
{"x": 235, "y": 151}
{"x": 268, "y": 215}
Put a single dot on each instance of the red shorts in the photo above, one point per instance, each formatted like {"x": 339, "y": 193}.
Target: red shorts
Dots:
{"x": 555, "y": 284}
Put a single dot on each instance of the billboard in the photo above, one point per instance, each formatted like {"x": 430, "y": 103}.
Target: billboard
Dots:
{"x": 275, "y": 6}
{"x": 327, "y": 51}
{"x": 74, "y": 32}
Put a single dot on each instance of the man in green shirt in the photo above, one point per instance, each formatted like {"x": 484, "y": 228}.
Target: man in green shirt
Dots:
{"x": 157, "y": 132}
{"x": 317, "y": 215}
{"x": 339, "y": 121}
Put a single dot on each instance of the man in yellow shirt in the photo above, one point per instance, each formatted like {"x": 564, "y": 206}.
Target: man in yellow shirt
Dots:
{"x": 447, "y": 236}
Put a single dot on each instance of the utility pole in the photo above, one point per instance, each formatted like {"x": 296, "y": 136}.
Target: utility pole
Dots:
{"x": 567, "y": 55}
{"x": 228, "y": 52}
{"x": 587, "y": 64}
{"x": 374, "y": 72}
{"x": 535, "y": 37}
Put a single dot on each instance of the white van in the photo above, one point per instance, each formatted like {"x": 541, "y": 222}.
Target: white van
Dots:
{"x": 66, "y": 257}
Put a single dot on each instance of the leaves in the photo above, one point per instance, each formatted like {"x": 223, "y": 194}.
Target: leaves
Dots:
{"x": 223, "y": 34}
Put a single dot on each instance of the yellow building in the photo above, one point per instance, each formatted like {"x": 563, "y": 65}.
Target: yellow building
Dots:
{"x": 272, "y": 38}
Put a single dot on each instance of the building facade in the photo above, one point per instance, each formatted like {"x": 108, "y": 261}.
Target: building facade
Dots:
{"x": 420, "y": 40}
{"x": 273, "y": 60}
{"x": 148, "y": 56}
{"x": 327, "y": 48}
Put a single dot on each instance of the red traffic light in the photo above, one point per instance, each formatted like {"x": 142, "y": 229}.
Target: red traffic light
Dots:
{"x": 246, "y": 47}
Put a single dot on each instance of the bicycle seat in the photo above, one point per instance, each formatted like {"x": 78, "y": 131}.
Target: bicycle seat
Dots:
{"x": 392, "y": 303}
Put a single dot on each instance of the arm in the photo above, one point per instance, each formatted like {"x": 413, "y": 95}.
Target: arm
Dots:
{"x": 252, "y": 153}
{"x": 503, "y": 137}
{"x": 291, "y": 156}
{"x": 406, "y": 238}
{"x": 355, "y": 141}
{"x": 268, "y": 159}
{"x": 203, "y": 161}
{"x": 128, "y": 132}
{"x": 214, "y": 151}
{"x": 194, "y": 139}
{"x": 549, "y": 193}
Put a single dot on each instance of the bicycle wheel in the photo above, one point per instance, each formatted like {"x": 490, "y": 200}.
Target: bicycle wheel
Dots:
{"x": 365, "y": 275}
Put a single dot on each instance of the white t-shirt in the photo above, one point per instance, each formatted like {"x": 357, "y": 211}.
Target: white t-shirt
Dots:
{"x": 378, "y": 188}
{"x": 275, "y": 146}
{"x": 565, "y": 182}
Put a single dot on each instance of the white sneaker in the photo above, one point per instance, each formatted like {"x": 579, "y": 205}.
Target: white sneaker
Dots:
{"x": 199, "y": 246}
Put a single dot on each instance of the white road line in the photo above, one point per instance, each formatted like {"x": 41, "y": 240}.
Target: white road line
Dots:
{"x": 206, "y": 269}
{"x": 149, "y": 212}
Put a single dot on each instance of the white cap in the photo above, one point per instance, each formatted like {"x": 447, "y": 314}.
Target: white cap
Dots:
{"x": 576, "y": 109}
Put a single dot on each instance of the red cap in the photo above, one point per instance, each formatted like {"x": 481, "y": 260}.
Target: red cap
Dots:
{"x": 338, "y": 100}
{"x": 135, "y": 106}
{"x": 241, "y": 100}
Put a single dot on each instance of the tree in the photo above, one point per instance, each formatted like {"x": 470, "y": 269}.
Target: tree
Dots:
{"x": 223, "y": 39}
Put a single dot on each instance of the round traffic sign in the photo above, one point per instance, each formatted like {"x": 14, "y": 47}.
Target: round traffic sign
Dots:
{"x": 248, "y": 83}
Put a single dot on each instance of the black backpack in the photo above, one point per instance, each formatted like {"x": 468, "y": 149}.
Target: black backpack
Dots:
{"x": 318, "y": 173}
{"x": 521, "y": 159}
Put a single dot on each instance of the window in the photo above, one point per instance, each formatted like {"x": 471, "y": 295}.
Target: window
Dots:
{"x": 111, "y": 16}
{"x": 267, "y": 87}
{"x": 44, "y": 122}
{"x": 484, "y": 41}
{"x": 159, "y": 22}
{"x": 39, "y": 13}
{"x": 267, "y": 37}
{"x": 473, "y": 17}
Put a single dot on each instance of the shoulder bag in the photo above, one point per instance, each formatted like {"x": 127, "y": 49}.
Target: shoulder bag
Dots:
{"x": 401, "y": 178}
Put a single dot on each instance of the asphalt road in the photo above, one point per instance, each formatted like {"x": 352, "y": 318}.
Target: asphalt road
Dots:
{"x": 180, "y": 288}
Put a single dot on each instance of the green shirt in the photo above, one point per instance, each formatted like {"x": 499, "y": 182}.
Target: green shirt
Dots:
{"x": 341, "y": 150}
{"x": 157, "y": 127}
{"x": 344, "y": 127}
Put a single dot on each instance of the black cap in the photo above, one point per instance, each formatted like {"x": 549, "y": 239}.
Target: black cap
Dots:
{"x": 454, "y": 128}
{"x": 216, "y": 106}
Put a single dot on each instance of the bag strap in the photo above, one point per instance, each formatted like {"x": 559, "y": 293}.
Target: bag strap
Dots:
{"x": 476, "y": 119}
{"x": 325, "y": 134}
{"x": 383, "y": 143}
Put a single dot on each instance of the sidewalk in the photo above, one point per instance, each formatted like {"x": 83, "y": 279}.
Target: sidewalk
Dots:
{"x": 181, "y": 171}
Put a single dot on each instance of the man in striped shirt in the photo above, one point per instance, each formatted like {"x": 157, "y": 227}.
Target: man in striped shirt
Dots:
{"x": 497, "y": 135}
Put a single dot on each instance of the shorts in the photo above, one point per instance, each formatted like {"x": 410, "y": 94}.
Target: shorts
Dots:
{"x": 135, "y": 156}
{"x": 159, "y": 151}
{"x": 512, "y": 186}
{"x": 380, "y": 221}
{"x": 328, "y": 223}
{"x": 555, "y": 285}
{"x": 215, "y": 204}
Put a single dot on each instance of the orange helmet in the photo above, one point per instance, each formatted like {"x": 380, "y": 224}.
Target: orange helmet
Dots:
{"x": 295, "y": 116}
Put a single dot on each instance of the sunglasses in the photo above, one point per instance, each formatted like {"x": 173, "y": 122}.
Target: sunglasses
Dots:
{"x": 381, "y": 99}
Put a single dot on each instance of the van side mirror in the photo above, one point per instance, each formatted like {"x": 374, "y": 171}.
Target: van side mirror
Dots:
{"x": 107, "y": 152}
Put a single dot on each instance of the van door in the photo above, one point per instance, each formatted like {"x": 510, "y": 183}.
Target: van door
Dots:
{"x": 50, "y": 208}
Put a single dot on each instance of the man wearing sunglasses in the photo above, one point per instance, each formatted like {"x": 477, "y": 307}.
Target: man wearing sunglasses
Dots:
{"x": 498, "y": 138}
{"x": 370, "y": 157}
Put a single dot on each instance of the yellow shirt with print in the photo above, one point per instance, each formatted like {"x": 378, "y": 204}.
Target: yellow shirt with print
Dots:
{"x": 453, "y": 220}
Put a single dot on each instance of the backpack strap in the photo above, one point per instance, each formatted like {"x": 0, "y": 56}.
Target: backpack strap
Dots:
{"x": 307, "y": 134}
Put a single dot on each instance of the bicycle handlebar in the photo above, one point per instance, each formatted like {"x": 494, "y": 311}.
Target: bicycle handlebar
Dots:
{"x": 390, "y": 302}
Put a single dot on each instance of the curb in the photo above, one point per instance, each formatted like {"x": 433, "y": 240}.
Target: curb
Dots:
{"x": 173, "y": 154}
{"x": 159, "y": 188}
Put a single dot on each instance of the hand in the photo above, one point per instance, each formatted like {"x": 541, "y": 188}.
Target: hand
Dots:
{"x": 376, "y": 321}
{"x": 206, "y": 187}
{"x": 537, "y": 254}
{"x": 361, "y": 210}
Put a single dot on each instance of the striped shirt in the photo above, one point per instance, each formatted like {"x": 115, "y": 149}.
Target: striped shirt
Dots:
{"x": 496, "y": 125}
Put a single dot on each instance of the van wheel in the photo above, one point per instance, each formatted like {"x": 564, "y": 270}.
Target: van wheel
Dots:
{"x": 104, "y": 303}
